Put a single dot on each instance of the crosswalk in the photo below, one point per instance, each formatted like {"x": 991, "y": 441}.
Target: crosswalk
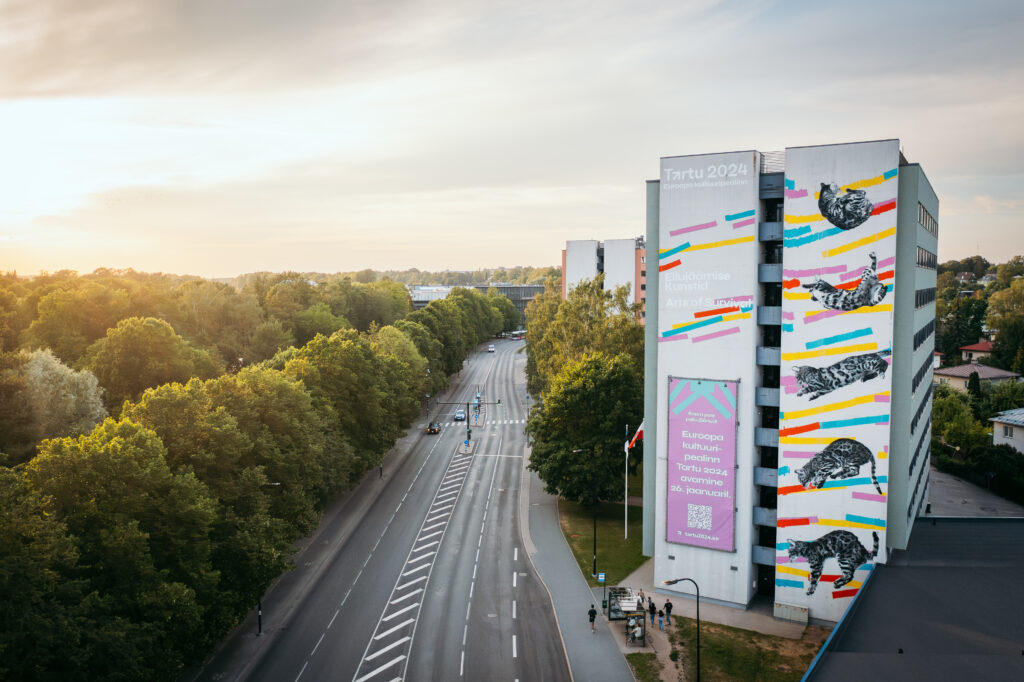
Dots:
{"x": 493, "y": 422}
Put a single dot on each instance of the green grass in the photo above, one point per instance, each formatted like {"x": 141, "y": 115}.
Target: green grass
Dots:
{"x": 616, "y": 557}
{"x": 729, "y": 653}
{"x": 646, "y": 667}
{"x": 635, "y": 484}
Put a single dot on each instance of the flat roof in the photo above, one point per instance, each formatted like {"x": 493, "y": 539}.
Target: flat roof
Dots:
{"x": 947, "y": 608}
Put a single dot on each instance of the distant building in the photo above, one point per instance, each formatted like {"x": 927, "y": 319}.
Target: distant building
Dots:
{"x": 958, "y": 376}
{"x": 519, "y": 294}
{"x": 976, "y": 351}
{"x": 623, "y": 261}
{"x": 1008, "y": 428}
{"x": 965, "y": 277}
{"x": 936, "y": 360}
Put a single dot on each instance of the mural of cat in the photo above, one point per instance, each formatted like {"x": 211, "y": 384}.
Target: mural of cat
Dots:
{"x": 845, "y": 211}
{"x": 842, "y": 458}
{"x": 841, "y": 544}
{"x": 820, "y": 381}
{"x": 869, "y": 292}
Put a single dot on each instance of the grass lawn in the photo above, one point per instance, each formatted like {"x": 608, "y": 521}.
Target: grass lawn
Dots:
{"x": 646, "y": 667}
{"x": 733, "y": 654}
{"x": 616, "y": 557}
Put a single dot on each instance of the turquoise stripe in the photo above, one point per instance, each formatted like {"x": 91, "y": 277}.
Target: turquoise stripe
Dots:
{"x": 728, "y": 396}
{"x": 737, "y": 216}
{"x": 697, "y": 325}
{"x": 840, "y": 423}
{"x": 782, "y": 545}
{"x": 677, "y": 390}
{"x": 790, "y": 184}
{"x": 790, "y": 243}
{"x": 780, "y": 582}
{"x": 783, "y": 471}
{"x": 866, "y": 331}
{"x": 865, "y": 519}
{"x": 787, "y": 326}
{"x": 890, "y": 173}
{"x": 672, "y": 252}
{"x": 796, "y": 231}
{"x": 847, "y": 482}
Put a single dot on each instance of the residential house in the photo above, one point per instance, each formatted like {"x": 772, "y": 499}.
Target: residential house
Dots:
{"x": 1008, "y": 428}
{"x": 958, "y": 376}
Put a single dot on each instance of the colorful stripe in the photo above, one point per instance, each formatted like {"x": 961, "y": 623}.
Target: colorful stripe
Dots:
{"x": 787, "y": 315}
{"x": 856, "y": 421}
{"x": 717, "y": 311}
{"x": 797, "y": 454}
{"x": 800, "y": 241}
{"x": 829, "y": 340}
{"x": 789, "y": 183}
{"x": 865, "y": 519}
{"x": 726, "y": 332}
{"x": 838, "y": 350}
{"x": 796, "y": 193}
{"x": 878, "y": 236}
{"x": 800, "y": 521}
{"x": 796, "y": 295}
{"x": 676, "y": 328}
{"x": 871, "y": 497}
{"x": 841, "y": 523}
{"x": 793, "y": 430}
{"x": 725, "y": 242}
{"x": 665, "y": 253}
{"x": 832, "y": 485}
{"x": 692, "y": 228}
{"x": 737, "y": 216}
{"x": 782, "y": 546}
{"x": 883, "y": 206}
{"x": 824, "y": 314}
{"x": 668, "y": 266}
{"x": 787, "y": 327}
{"x": 783, "y": 471}
{"x": 874, "y": 398}
{"x": 796, "y": 440}
{"x": 663, "y": 339}
{"x": 796, "y": 231}
{"x": 856, "y": 271}
{"x": 839, "y": 594}
{"x": 815, "y": 272}
{"x": 743, "y": 223}
{"x": 870, "y": 182}
{"x": 789, "y": 583}
{"x": 849, "y": 286}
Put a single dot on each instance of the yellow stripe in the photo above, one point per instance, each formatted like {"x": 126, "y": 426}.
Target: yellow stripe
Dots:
{"x": 797, "y": 414}
{"x": 736, "y": 316}
{"x": 797, "y": 440}
{"x": 780, "y": 568}
{"x": 883, "y": 455}
{"x": 878, "y": 236}
{"x": 881, "y": 308}
{"x": 848, "y": 524}
{"x": 796, "y": 295}
{"x": 838, "y": 350}
{"x": 814, "y": 217}
{"x": 861, "y": 184}
{"x": 726, "y": 242}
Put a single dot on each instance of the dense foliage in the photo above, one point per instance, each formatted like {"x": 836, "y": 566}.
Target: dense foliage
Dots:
{"x": 130, "y": 544}
{"x": 585, "y": 365}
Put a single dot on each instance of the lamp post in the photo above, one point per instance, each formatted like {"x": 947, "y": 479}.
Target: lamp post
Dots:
{"x": 593, "y": 484}
{"x": 673, "y": 582}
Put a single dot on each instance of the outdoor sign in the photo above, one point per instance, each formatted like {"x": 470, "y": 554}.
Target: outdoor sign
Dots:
{"x": 701, "y": 463}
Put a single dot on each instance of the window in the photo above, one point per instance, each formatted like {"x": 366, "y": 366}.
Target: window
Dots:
{"x": 924, "y": 333}
{"x": 926, "y": 259}
{"x": 965, "y": 385}
{"x": 926, "y": 220}
{"x": 1007, "y": 431}
{"x": 923, "y": 297}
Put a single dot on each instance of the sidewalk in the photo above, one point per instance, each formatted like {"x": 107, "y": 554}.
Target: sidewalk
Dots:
{"x": 593, "y": 656}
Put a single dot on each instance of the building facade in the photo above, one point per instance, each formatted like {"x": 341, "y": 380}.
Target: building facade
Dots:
{"x": 788, "y": 370}
{"x": 623, "y": 261}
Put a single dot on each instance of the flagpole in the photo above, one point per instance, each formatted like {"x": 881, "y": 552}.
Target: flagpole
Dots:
{"x": 625, "y": 498}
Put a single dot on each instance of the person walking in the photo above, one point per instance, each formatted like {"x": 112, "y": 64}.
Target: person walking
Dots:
{"x": 661, "y": 619}
{"x": 668, "y": 612}
{"x": 592, "y": 613}
{"x": 652, "y": 609}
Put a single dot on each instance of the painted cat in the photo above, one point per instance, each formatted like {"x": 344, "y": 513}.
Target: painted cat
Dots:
{"x": 869, "y": 292}
{"x": 820, "y": 381}
{"x": 841, "y": 544}
{"x": 842, "y": 458}
{"x": 845, "y": 211}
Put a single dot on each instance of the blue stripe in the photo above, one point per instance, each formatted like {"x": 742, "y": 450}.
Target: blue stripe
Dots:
{"x": 890, "y": 173}
{"x": 790, "y": 184}
{"x": 672, "y": 252}
{"x": 840, "y": 423}
{"x": 865, "y": 519}
{"x": 847, "y": 482}
{"x": 696, "y": 325}
{"x": 783, "y": 471}
{"x": 790, "y": 243}
{"x": 728, "y": 396}
{"x": 781, "y": 545}
{"x": 796, "y": 231}
{"x": 675, "y": 391}
{"x": 866, "y": 331}
{"x": 787, "y": 326}
{"x": 779, "y": 582}
{"x": 737, "y": 216}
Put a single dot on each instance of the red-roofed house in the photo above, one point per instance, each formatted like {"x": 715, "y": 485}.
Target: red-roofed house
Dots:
{"x": 958, "y": 376}
{"x": 976, "y": 351}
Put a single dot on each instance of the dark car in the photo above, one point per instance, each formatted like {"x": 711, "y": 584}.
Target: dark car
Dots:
{"x": 433, "y": 427}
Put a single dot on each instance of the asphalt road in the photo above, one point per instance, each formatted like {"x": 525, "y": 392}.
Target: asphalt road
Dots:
{"x": 424, "y": 577}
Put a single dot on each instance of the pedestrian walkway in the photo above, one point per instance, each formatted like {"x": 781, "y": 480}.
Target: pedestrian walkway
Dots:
{"x": 593, "y": 656}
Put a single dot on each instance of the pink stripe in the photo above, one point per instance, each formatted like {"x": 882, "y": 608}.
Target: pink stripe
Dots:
{"x": 792, "y": 389}
{"x": 788, "y": 316}
{"x": 856, "y": 273}
{"x": 869, "y": 496}
{"x": 725, "y": 332}
{"x": 784, "y": 559}
{"x": 814, "y": 271}
{"x": 882, "y": 399}
{"x": 796, "y": 454}
{"x": 743, "y": 223}
{"x": 693, "y": 228}
{"x": 795, "y": 193}
{"x": 821, "y": 316}
{"x": 788, "y": 381}
{"x": 733, "y": 299}
{"x": 663, "y": 339}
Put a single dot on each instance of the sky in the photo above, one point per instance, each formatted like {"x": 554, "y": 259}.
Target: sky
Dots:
{"x": 215, "y": 138}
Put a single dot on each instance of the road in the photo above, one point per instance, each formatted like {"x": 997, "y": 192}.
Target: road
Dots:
{"x": 432, "y": 582}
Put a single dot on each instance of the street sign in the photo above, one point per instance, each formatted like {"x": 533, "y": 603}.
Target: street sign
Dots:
{"x": 600, "y": 577}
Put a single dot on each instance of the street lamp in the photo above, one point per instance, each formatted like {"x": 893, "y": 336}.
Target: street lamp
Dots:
{"x": 673, "y": 582}
{"x": 594, "y": 488}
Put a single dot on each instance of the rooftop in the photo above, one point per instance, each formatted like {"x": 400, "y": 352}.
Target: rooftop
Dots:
{"x": 984, "y": 346}
{"x": 984, "y": 371}
{"x": 1012, "y": 417}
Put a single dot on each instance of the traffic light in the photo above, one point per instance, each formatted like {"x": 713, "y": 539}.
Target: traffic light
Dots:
{"x": 469, "y": 433}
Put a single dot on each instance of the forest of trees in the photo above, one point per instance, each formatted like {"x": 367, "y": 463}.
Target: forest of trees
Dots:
{"x": 515, "y": 275}
{"x": 585, "y": 367}
{"x": 165, "y": 440}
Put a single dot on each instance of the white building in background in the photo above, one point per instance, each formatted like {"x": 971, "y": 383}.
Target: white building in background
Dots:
{"x": 623, "y": 261}
{"x": 1008, "y": 429}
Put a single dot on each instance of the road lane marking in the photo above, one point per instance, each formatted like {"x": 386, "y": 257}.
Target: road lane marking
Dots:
{"x": 394, "y": 629}
{"x": 430, "y": 535}
{"x": 332, "y": 619}
{"x": 388, "y": 648}
{"x": 301, "y": 671}
{"x": 472, "y": 584}
{"x": 462, "y": 663}
{"x": 465, "y": 631}
{"x": 474, "y": 571}
{"x": 382, "y": 668}
{"x": 513, "y": 609}
{"x": 515, "y": 554}
{"x": 447, "y": 506}
{"x": 514, "y": 653}
{"x": 406, "y": 596}
{"x": 411, "y": 583}
{"x": 399, "y": 612}
{"x": 423, "y": 547}
{"x": 421, "y": 558}
{"x": 418, "y": 568}
{"x": 317, "y": 645}
{"x": 439, "y": 523}
{"x": 513, "y": 578}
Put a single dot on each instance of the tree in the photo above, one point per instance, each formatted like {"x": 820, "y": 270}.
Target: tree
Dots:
{"x": 1006, "y": 304}
{"x": 974, "y": 385}
{"x": 540, "y": 314}
{"x": 962, "y": 325}
{"x": 954, "y": 421}
{"x": 316, "y": 319}
{"x": 64, "y": 402}
{"x": 1009, "y": 342}
{"x": 19, "y": 431}
{"x": 509, "y": 313}
{"x": 141, "y": 353}
{"x": 71, "y": 318}
{"x": 577, "y": 432}
{"x": 405, "y": 372}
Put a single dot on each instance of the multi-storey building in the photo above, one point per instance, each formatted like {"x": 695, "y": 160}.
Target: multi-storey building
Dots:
{"x": 788, "y": 370}
{"x": 623, "y": 261}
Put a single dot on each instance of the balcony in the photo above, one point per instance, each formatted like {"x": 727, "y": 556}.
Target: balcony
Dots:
{"x": 769, "y": 273}
{"x": 768, "y": 355}
{"x": 766, "y": 476}
{"x": 768, "y": 438}
{"x": 764, "y": 516}
{"x": 769, "y": 314}
{"x": 765, "y": 556}
{"x": 766, "y": 397}
{"x": 769, "y": 232}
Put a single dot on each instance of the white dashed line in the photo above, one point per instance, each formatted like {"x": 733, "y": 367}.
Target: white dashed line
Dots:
{"x": 404, "y": 597}
{"x": 301, "y": 671}
{"x": 513, "y": 578}
{"x": 513, "y": 609}
{"x": 394, "y": 629}
{"x": 332, "y": 619}
{"x": 382, "y": 668}
{"x": 399, "y": 612}
{"x": 514, "y": 652}
{"x": 317, "y": 644}
{"x": 388, "y": 648}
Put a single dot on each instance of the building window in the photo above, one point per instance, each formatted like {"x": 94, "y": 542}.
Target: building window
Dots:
{"x": 926, "y": 259}
{"x": 1007, "y": 431}
{"x": 923, "y": 297}
{"x": 965, "y": 384}
{"x": 925, "y": 219}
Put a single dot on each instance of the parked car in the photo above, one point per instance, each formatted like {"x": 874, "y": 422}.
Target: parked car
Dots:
{"x": 433, "y": 427}
{"x": 460, "y": 415}
{"x": 490, "y": 348}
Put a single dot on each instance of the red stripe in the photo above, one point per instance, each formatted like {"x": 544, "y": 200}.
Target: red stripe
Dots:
{"x": 888, "y": 274}
{"x": 790, "y": 283}
{"x": 668, "y": 266}
{"x": 844, "y": 593}
{"x": 787, "y": 489}
{"x": 784, "y": 523}
{"x": 884, "y": 206}
{"x": 717, "y": 311}
{"x": 799, "y": 429}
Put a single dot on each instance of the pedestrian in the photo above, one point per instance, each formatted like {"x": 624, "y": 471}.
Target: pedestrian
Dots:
{"x": 593, "y": 614}
{"x": 382, "y": 471}
{"x": 668, "y": 612}
{"x": 652, "y": 609}
{"x": 661, "y": 619}
{"x": 641, "y": 596}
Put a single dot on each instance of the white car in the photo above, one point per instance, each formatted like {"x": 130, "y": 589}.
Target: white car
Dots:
{"x": 460, "y": 415}
{"x": 490, "y": 348}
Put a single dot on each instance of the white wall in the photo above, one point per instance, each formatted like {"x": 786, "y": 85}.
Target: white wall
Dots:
{"x": 620, "y": 264}
{"x": 1016, "y": 441}
{"x": 580, "y": 262}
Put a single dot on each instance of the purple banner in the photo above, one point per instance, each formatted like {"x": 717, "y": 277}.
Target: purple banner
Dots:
{"x": 701, "y": 463}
